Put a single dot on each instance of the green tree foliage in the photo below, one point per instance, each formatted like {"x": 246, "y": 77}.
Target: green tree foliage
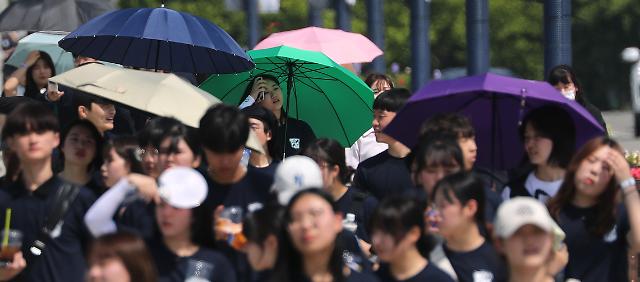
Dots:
{"x": 601, "y": 29}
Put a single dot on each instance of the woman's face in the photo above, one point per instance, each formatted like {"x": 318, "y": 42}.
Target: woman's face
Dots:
{"x": 453, "y": 215}
{"x": 529, "y": 247}
{"x": 329, "y": 174}
{"x": 182, "y": 156}
{"x": 379, "y": 86}
{"x": 538, "y": 148}
{"x": 567, "y": 89}
{"x": 150, "y": 157}
{"x": 314, "y": 225}
{"x": 262, "y": 257}
{"x": 388, "y": 248}
{"x": 41, "y": 72}
{"x": 79, "y": 146}
{"x": 108, "y": 270}
{"x": 173, "y": 221}
{"x": 594, "y": 173}
{"x": 114, "y": 168}
{"x": 273, "y": 97}
{"x": 431, "y": 174}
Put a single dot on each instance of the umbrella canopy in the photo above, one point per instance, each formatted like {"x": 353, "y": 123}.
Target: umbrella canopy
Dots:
{"x": 160, "y": 94}
{"x": 341, "y": 46}
{"x": 159, "y": 39}
{"x": 496, "y": 105}
{"x": 63, "y": 15}
{"x": 45, "y": 41}
{"x": 332, "y": 100}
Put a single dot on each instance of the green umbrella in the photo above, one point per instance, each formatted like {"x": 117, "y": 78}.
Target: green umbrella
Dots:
{"x": 331, "y": 99}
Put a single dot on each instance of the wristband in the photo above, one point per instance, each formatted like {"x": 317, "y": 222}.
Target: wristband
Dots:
{"x": 627, "y": 183}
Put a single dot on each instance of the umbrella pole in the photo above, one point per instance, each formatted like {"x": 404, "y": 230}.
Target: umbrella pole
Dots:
{"x": 286, "y": 113}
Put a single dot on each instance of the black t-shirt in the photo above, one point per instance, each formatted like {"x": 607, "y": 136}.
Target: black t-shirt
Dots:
{"x": 429, "y": 273}
{"x": 299, "y": 135}
{"x": 268, "y": 171}
{"x": 594, "y": 258}
{"x": 172, "y": 268}
{"x": 253, "y": 188}
{"x": 383, "y": 175}
{"x": 361, "y": 205}
{"x": 480, "y": 265}
{"x": 63, "y": 258}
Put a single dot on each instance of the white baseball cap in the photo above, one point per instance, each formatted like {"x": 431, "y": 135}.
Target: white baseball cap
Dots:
{"x": 520, "y": 211}
{"x": 182, "y": 187}
{"x": 294, "y": 174}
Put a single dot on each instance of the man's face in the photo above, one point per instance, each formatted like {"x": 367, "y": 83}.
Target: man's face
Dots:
{"x": 101, "y": 115}
{"x": 224, "y": 165}
{"x": 381, "y": 118}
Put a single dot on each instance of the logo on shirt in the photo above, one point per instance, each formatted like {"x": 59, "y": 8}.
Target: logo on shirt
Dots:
{"x": 295, "y": 143}
{"x": 55, "y": 233}
{"x": 482, "y": 276}
{"x": 612, "y": 235}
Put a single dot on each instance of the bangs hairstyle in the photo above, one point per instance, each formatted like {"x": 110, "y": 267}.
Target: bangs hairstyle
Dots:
{"x": 396, "y": 216}
{"x": 454, "y": 124}
{"x": 258, "y": 225}
{"x": 565, "y": 74}
{"x": 374, "y": 77}
{"x": 463, "y": 187}
{"x": 30, "y": 117}
{"x": 129, "y": 249}
{"x": 289, "y": 263}
{"x": 438, "y": 151}
{"x": 392, "y": 100}
{"x": 224, "y": 129}
{"x": 331, "y": 152}
{"x": 556, "y": 124}
{"x": 247, "y": 91}
{"x": 605, "y": 207}
{"x": 127, "y": 148}
{"x": 96, "y": 162}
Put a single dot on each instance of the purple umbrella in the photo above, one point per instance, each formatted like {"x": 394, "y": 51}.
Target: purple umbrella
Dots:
{"x": 496, "y": 105}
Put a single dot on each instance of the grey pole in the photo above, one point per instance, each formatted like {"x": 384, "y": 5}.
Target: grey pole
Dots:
{"x": 253, "y": 22}
{"x": 375, "y": 29}
{"x": 420, "y": 49}
{"x": 557, "y": 33}
{"x": 343, "y": 15}
{"x": 315, "y": 15}
{"x": 477, "y": 36}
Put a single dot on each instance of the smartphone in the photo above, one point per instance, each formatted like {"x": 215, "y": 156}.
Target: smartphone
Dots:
{"x": 52, "y": 86}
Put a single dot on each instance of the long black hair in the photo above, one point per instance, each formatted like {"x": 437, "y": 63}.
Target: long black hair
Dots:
{"x": 289, "y": 264}
{"x": 331, "y": 152}
{"x": 32, "y": 90}
{"x": 397, "y": 215}
{"x": 262, "y": 223}
{"x": 464, "y": 186}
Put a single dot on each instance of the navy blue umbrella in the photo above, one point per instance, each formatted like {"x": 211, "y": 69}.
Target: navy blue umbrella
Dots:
{"x": 158, "y": 38}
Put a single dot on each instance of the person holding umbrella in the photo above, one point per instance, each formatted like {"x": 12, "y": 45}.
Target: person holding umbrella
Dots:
{"x": 265, "y": 90}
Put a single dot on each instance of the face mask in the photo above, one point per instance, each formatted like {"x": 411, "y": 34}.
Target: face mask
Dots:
{"x": 571, "y": 94}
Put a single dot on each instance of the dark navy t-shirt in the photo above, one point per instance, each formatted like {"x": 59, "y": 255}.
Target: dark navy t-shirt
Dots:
{"x": 354, "y": 276}
{"x": 383, "y": 175}
{"x": 63, "y": 258}
{"x": 253, "y": 188}
{"x": 482, "y": 264}
{"x": 172, "y": 268}
{"x": 594, "y": 258}
{"x": 359, "y": 204}
{"x": 268, "y": 171}
{"x": 429, "y": 273}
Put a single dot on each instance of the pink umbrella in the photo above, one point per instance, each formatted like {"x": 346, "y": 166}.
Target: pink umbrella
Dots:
{"x": 341, "y": 46}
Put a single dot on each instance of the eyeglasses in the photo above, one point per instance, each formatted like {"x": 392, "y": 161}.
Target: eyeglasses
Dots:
{"x": 151, "y": 152}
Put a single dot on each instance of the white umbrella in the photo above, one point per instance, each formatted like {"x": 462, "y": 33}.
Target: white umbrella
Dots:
{"x": 160, "y": 94}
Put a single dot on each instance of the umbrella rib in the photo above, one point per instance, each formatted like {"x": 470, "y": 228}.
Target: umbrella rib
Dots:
{"x": 342, "y": 82}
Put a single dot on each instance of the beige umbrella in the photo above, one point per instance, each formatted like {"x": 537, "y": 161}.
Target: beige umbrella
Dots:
{"x": 160, "y": 94}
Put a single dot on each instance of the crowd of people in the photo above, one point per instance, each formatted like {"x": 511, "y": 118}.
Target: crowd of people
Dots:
{"x": 138, "y": 198}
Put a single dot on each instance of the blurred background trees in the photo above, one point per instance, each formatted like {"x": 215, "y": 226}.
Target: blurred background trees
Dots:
{"x": 601, "y": 29}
